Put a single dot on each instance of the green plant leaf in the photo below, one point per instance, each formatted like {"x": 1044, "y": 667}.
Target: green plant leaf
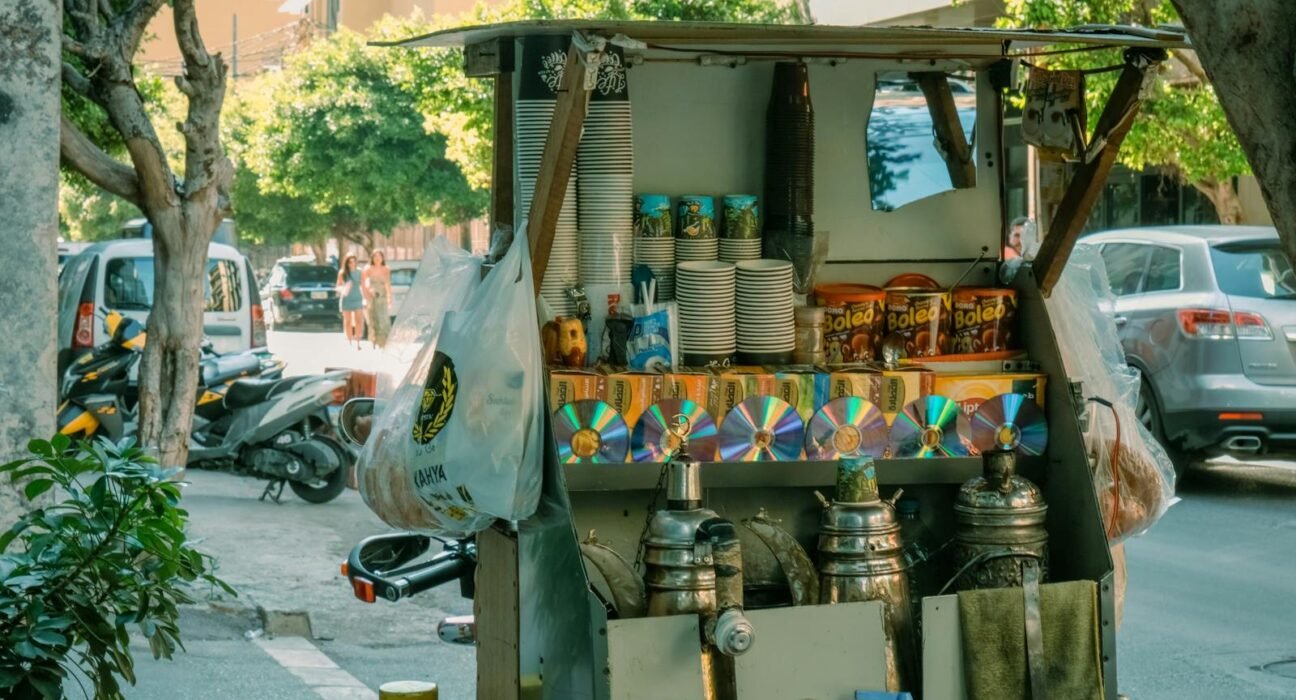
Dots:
{"x": 36, "y": 487}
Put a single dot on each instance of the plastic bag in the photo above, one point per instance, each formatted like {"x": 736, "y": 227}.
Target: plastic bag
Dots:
{"x": 446, "y": 280}
{"x": 1133, "y": 476}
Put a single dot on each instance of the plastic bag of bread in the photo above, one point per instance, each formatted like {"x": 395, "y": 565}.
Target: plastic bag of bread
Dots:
{"x": 1132, "y": 474}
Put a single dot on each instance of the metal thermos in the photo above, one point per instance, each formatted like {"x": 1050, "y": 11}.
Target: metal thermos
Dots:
{"x": 693, "y": 565}
{"x": 1000, "y": 524}
{"x": 861, "y": 559}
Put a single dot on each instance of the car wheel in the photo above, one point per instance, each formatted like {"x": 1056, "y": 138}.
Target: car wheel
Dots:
{"x": 1149, "y": 414}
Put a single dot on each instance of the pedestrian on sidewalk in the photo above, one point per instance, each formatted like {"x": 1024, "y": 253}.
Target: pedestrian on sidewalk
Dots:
{"x": 378, "y": 294}
{"x": 351, "y": 296}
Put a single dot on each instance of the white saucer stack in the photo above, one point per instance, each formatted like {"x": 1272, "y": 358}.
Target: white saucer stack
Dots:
{"x": 704, "y": 294}
{"x": 764, "y": 305}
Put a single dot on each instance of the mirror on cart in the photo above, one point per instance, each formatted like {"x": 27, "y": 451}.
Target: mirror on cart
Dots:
{"x": 920, "y": 139}
{"x": 356, "y": 420}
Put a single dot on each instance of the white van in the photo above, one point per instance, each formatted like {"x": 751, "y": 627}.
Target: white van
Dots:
{"x": 118, "y": 276}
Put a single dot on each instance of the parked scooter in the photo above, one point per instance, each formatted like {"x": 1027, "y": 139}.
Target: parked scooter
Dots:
{"x": 269, "y": 427}
{"x": 395, "y": 565}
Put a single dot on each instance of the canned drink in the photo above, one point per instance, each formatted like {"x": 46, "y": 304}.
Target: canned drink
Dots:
{"x": 984, "y": 320}
{"x": 921, "y": 318}
{"x": 854, "y": 322}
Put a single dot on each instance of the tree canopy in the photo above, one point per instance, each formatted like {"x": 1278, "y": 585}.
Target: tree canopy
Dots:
{"x": 1182, "y": 128}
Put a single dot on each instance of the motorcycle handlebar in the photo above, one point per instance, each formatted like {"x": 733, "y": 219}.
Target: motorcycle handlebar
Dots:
{"x": 378, "y": 567}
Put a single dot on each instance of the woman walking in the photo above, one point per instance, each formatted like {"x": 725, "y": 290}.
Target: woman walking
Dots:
{"x": 351, "y": 299}
{"x": 378, "y": 294}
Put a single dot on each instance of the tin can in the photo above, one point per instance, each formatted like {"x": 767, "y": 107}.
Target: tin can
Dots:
{"x": 854, "y": 322}
{"x": 984, "y": 320}
{"x": 921, "y": 317}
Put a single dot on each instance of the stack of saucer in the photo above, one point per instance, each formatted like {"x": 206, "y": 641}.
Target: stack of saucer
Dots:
{"x": 740, "y": 236}
{"x": 695, "y": 229}
{"x": 654, "y": 242}
{"x": 766, "y": 322}
{"x": 543, "y": 59}
{"x": 605, "y": 162}
{"x": 704, "y": 293}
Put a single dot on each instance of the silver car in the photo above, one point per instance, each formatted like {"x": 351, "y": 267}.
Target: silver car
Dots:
{"x": 1208, "y": 314}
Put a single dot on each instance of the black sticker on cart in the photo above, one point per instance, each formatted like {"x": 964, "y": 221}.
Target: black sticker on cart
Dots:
{"x": 436, "y": 404}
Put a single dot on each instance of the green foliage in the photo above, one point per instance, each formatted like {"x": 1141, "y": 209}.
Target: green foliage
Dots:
{"x": 76, "y": 575}
{"x": 87, "y": 213}
{"x": 1181, "y": 127}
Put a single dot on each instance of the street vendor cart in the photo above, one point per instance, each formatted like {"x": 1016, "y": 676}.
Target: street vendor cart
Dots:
{"x": 586, "y": 597}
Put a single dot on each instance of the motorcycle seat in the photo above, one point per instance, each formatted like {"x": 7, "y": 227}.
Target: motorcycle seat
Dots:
{"x": 248, "y": 392}
{"x": 220, "y": 369}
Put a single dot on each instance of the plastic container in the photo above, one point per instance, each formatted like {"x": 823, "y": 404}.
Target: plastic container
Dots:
{"x": 854, "y": 321}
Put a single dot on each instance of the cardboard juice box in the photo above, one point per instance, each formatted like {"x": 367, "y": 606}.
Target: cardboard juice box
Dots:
{"x": 888, "y": 389}
{"x": 735, "y": 384}
{"x": 694, "y": 385}
{"x": 805, "y": 388}
{"x": 971, "y": 390}
{"x": 569, "y": 385}
{"x": 632, "y": 393}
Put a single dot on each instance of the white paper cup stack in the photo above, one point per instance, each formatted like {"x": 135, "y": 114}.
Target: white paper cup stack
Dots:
{"x": 532, "y": 129}
{"x": 605, "y": 161}
{"x": 736, "y": 250}
{"x": 704, "y": 295}
{"x": 659, "y": 255}
{"x": 766, "y": 327}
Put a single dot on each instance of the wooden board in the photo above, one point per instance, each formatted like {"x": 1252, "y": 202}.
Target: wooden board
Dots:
{"x": 495, "y": 607}
{"x": 942, "y": 653}
{"x": 654, "y": 658}
{"x": 799, "y": 653}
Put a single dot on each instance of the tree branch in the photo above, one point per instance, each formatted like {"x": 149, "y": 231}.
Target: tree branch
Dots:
{"x": 91, "y": 52}
{"x": 106, "y": 10}
{"x": 191, "y": 43}
{"x": 79, "y": 152}
{"x": 75, "y": 80}
{"x": 135, "y": 22}
{"x": 1190, "y": 61}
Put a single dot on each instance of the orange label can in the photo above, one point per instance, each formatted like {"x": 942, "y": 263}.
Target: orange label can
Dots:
{"x": 984, "y": 320}
{"x": 854, "y": 322}
{"x": 921, "y": 317}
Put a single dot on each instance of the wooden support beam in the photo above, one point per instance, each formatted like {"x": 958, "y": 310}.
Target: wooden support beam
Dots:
{"x": 949, "y": 130}
{"x": 495, "y": 608}
{"x": 488, "y": 58}
{"x": 501, "y": 211}
{"x": 1091, "y": 175}
{"x": 557, "y": 162}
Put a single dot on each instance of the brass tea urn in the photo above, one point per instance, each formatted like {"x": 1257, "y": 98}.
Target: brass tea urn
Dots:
{"x": 1000, "y": 524}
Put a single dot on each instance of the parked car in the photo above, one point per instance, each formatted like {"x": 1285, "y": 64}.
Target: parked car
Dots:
{"x": 118, "y": 276}
{"x": 402, "y": 276}
{"x": 1208, "y": 314}
{"x": 68, "y": 250}
{"x": 301, "y": 292}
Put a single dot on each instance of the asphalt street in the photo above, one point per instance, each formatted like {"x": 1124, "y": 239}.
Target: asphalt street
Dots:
{"x": 1208, "y": 612}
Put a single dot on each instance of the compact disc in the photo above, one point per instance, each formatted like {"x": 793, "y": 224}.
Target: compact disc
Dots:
{"x": 653, "y": 440}
{"x": 932, "y": 426}
{"x": 761, "y": 429}
{"x": 590, "y": 431}
{"x": 847, "y": 426}
{"x": 1009, "y": 422}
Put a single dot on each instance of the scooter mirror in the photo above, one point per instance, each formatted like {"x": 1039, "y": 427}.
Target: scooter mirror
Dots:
{"x": 356, "y": 420}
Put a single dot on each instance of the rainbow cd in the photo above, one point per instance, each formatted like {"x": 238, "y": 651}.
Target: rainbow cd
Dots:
{"x": 932, "y": 426}
{"x": 761, "y": 429}
{"x": 1009, "y": 422}
{"x": 653, "y": 441}
{"x": 590, "y": 431}
{"x": 847, "y": 426}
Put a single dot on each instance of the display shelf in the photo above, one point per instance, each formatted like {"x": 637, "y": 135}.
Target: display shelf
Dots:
{"x": 643, "y": 475}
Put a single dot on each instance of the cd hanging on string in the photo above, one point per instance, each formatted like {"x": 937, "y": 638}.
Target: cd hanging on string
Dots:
{"x": 847, "y": 426}
{"x": 932, "y": 426}
{"x": 590, "y": 431}
{"x": 654, "y": 436}
{"x": 1009, "y": 422}
{"x": 761, "y": 429}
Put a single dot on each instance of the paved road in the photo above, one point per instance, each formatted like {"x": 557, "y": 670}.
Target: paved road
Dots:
{"x": 1208, "y": 601}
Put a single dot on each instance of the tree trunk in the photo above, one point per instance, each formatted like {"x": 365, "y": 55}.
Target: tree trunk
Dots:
{"x": 1224, "y": 196}
{"x": 320, "y": 250}
{"x": 29, "y": 130}
{"x": 1246, "y": 49}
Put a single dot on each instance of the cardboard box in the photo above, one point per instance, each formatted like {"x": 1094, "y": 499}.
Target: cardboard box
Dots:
{"x": 806, "y": 388}
{"x": 733, "y": 385}
{"x": 632, "y": 393}
{"x": 971, "y": 390}
{"x": 569, "y": 385}
{"x": 697, "y": 386}
{"x": 888, "y": 389}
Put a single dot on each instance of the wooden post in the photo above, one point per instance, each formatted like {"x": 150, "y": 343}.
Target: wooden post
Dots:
{"x": 1090, "y": 176}
{"x": 556, "y": 163}
{"x": 501, "y": 213}
{"x": 495, "y": 608}
{"x": 949, "y": 130}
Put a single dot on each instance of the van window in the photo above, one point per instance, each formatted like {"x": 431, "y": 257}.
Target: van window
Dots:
{"x": 1259, "y": 270}
{"x": 1164, "y": 270}
{"x": 128, "y": 285}
{"x": 1125, "y": 263}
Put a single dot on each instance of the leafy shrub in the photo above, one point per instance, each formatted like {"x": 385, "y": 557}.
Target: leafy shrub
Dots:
{"x": 109, "y": 552}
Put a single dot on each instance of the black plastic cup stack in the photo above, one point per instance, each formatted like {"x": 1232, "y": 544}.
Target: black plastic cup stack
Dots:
{"x": 789, "y": 168}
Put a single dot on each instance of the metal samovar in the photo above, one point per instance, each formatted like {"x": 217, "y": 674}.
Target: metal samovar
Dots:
{"x": 1000, "y": 525}
{"x": 693, "y": 565}
{"x": 861, "y": 559}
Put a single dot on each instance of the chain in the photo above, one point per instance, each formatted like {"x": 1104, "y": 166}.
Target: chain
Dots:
{"x": 681, "y": 429}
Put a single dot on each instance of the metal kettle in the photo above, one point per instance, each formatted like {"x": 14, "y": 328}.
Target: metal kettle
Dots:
{"x": 999, "y": 519}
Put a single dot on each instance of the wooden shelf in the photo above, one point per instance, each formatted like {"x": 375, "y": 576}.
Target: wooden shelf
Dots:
{"x": 643, "y": 475}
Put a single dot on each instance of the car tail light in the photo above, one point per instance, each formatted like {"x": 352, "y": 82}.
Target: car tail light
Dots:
{"x": 1251, "y": 326}
{"x": 258, "y": 326}
{"x": 1241, "y": 416}
{"x": 285, "y": 294}
{"x": 1210, "y": 324}
{"x": 84, "y": 335}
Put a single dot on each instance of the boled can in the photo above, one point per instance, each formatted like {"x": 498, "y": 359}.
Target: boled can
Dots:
{"x": 984, "y": 320}
{"x": 921, "y": 317}
{"x": 854, "y": 322}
